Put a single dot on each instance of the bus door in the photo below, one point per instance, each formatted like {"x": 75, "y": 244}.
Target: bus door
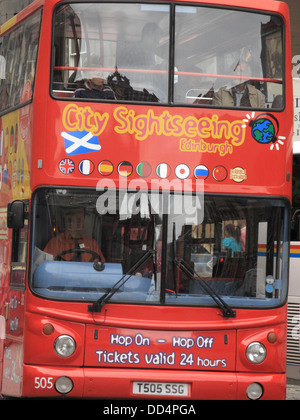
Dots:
{"x": 12, "y": 320}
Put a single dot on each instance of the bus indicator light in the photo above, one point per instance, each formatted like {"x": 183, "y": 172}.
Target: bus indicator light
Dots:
{"x": 48, "y": 329}
{"x": 272, "y": 337}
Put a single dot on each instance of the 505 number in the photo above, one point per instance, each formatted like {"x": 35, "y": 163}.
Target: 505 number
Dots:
{"x": 43, "y": 383}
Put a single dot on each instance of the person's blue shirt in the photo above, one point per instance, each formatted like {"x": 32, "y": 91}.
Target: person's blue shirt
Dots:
{"x": 231, "y": 243}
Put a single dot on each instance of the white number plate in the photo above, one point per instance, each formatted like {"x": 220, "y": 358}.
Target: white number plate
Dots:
{"x": 161, "y": 388}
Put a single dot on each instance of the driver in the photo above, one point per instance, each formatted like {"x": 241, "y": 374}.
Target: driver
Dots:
{"x": 81, "y": 247}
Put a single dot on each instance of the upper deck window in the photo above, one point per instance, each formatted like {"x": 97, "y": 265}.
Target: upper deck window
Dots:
{"x": 217, "y": 57}
{"x": 18, "y": 55}
{"x": 126, "y": 46}
{"x": 228, "y": 58}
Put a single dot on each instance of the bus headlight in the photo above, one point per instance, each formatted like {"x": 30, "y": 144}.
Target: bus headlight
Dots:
{"x": 254, "y": 391}
{"x": 64, "y": 345}
{"x": 63, "y": 385}
{"x": 256, "y": 352}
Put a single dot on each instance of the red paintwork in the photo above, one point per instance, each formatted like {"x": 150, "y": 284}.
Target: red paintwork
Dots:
{"x": 26, "y": 353}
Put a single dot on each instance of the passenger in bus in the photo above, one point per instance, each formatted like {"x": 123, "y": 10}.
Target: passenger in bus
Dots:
{"x": 232, "y": 239}
{"x": 277, "y": 102}
{"x": 81, "y": 247}
{"x": 142, "y": 54}
{"x": 243, "y": 93}
{"x": 94, "y": 88}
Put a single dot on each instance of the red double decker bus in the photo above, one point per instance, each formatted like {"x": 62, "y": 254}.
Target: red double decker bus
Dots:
{"x": 145, "y": 186}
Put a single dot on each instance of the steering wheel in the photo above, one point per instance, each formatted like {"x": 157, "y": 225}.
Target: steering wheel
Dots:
{"x": 75, "y": 251}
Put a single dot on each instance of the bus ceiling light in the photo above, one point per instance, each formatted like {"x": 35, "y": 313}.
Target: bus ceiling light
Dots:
{"x": 254, "y": 391}
{"x": 63, "y": 385}
{"x": 64, "y": 345}
{"x": 256, "y": 352}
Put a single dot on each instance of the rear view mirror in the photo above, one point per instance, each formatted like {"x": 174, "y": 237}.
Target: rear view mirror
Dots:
{"x": 15, "y": 214}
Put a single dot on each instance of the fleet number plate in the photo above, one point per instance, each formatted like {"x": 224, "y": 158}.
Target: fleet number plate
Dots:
{"x": 161, "y": 388}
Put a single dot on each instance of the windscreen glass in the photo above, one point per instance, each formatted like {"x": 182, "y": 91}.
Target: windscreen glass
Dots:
{"x": 130, "y": 52}
{"x": 112, "y": 52}
{"x": 161, "y": 248}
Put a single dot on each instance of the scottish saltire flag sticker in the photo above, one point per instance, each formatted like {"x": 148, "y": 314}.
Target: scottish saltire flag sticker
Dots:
{"x": 144, "y": 169}
{"x": 86, "y": 167}
{"x": 182, "y": 171}
{"x": 105, "y": 168}
{"x": 163, "y": 170}
{"x": 125, "y": 168}
{"x": 80, "y": 142}
{"x": 201, "y": 172}
{"x": 66, "y": 166}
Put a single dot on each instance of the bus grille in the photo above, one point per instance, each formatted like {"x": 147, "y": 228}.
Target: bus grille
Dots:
{"x": 293, "y": 334}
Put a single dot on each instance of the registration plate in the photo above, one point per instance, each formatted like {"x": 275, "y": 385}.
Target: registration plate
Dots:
{"x": 161, "y": 388}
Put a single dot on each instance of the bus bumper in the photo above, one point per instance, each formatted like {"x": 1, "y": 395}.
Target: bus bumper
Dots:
{"x": 118, "y": 383}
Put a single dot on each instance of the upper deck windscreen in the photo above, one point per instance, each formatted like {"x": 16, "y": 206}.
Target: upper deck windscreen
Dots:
{"x": 206, "y": 56}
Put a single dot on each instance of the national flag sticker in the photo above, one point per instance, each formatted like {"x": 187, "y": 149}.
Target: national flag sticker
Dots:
{"x": 201, "y": 172}
{"x": 144, "y": 169}
{"x": 80, "y": 142}
{"x": 220, "y": 173}
{"x": 66, "y": 166}
{"x": 105, "y": 168}
{"x": 86, "y": 167}
{"x": 182, "y": 171}
{"x": 163, "y": 170}
{"x": 125, "y": 168}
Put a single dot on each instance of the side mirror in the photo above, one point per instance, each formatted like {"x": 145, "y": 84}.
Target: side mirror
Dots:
{"x": 15, "y": 214}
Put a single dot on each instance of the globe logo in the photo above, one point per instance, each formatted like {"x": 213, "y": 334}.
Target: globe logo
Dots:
{"x": 263, "y": 131}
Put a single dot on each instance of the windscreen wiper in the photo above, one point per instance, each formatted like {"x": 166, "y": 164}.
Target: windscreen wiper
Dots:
{"x": 189, "y": 271}
{"x": 98, "y": 305}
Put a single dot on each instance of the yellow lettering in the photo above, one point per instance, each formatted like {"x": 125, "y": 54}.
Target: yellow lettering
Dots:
{"x": 84, "y": 119}
{"x": 205, "y": 134}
